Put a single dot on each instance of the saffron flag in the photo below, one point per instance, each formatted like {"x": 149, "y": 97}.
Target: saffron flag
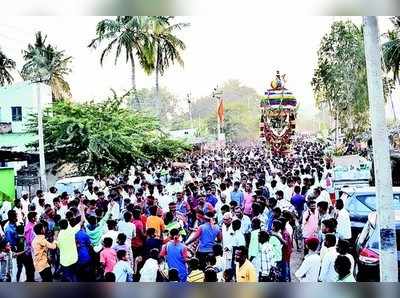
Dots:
{"x": 220, "y": 111}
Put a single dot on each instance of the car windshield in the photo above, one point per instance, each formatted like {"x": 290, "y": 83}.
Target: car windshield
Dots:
{"x": 370, "y": 201}
{"x": 69, "y": 187}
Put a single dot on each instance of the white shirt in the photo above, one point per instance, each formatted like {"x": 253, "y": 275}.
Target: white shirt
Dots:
{"x": 121, "y": 271}
{"x": 111, "y": 234}
{"x": 328, "y": 273}
{"x": 149, "y": 271}
{"x": 129, "y": 229}
{"x": 324, "y": 197}
{"x": 115, "y": 212}
{"x": 164, "y": 200}
{"x": 48, "y": 198}
{"x": 309, "y": 269}
{"x": 25, "y": 205}
{"x": 62, "y": 211}
{"x": 343, "y": 224}
{"x": 227, "y": 194}
{"x": 90, "y": 196}
{"x": 227, "y": 237}
{"x": 4, "y": 210}
{"x": 245, "y": 224}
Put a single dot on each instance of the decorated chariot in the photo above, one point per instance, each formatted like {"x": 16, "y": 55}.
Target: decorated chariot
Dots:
{"x": 278, "y": 116}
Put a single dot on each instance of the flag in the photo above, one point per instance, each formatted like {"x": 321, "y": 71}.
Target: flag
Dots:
{"x": 220, "y": 111}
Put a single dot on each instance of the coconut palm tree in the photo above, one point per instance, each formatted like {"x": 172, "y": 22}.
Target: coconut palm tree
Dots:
{"x": 391, "y": 49}
{"x": 44, "y": 63}
{"x": 129, "y": 34}
{"x": 391, "y": 55}
{"x": 166, "y": 46}
{"x": 6, "y": 66}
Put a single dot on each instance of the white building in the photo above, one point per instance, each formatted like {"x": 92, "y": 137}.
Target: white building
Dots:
{"x": 17, "y": 103}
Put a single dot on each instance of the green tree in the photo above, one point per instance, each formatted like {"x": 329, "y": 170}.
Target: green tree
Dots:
{"x": 340, "y": 78}
{"x": 6, "y": 66}
{"x": 240, "y": 122}
{"x": 391, "y": 49}
{"x": 166, "y": 48}
{"x": 103, "y": 137}
{"x": 47, "y": 64}
{"x": 130, "y": 34}
{"x": 168, "y": 102}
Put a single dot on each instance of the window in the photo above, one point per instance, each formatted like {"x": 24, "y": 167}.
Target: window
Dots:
{"x": 16, "y": 113}
{"x": 354, "y": 205}
{"x": 370, "y": 201}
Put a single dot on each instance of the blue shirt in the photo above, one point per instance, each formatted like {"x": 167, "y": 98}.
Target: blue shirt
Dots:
{"x": 298, "y": 202}
{"x": 238, "y": 197}
{"x": 270, "y": 219}
{"x": 207, "y": 237}
{"x": 83, "y": 245}
{"x": 212, "y": 200}
{"x": 11, "y": 234}
{"x": 175, "y": 259}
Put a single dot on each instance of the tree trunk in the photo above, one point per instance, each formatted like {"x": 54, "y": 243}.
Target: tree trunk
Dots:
{"x": 394, "y": 111}
{"x": 133, "y": 80}
{"x": 158, "y": 100}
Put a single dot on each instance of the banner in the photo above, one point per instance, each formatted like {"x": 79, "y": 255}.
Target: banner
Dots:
{"x": 220, "y": 111}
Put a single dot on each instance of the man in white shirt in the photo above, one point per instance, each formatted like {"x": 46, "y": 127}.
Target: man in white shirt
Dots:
{"x": 343, "y": 228}
{"x": 328, "y": 273}
{"x": 111, "y": 232}
{"x": 25, "y": 202}
{"x": 309, "y": 269}
{"x": 227, "y": 238}
{"x": 129, "y": 229}
{"x": 4, "y": 210}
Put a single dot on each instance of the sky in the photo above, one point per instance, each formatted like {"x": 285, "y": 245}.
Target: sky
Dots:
{"x": 244, "y": 47}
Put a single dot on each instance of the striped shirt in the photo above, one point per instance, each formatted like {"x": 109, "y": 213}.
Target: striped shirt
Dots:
{"x": 196, "y": 276}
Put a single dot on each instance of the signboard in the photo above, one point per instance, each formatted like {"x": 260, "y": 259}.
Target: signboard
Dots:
{"x": 351, "y": 170}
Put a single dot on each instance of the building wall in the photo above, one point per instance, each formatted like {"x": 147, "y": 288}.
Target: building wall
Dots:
{"x": 22, "y": 95}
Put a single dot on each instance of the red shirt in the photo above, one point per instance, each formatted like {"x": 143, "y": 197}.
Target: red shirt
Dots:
{"x": 138, "y": 241}
{"x": 287, "y": 249}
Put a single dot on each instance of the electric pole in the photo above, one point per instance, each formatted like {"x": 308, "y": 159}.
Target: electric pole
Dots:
{"x": 42, "y": 163}
{"x": 380, "y": 147}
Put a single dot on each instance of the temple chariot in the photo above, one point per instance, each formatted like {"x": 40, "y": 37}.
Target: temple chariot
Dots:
{"x": 278, "y": 116}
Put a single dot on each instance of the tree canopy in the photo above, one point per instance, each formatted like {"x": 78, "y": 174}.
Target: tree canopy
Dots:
{"x": 103, "y": 137}
{"x": 46, "y": 63}
{"x": 6, "y": 66}
{"x": 340, "y": 78}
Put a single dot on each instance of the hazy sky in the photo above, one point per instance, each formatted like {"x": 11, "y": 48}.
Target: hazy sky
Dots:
{"x": 247, "y": 48}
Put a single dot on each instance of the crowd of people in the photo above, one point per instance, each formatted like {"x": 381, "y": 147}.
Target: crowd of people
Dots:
{"x": 234, "y": 214}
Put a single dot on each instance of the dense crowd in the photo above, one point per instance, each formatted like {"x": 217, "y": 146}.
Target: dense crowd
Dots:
{"x": 229, "y": 215}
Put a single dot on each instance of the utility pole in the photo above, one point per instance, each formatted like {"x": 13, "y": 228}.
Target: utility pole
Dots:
{"x": 42, "y": 163}
{"x": 380, "y": 147}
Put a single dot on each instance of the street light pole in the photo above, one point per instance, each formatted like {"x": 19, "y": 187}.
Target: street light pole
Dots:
{"x": 42, "y": 163}
{"x": 380, "y": 142}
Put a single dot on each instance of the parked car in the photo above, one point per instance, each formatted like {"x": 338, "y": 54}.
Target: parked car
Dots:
{"x": 360, "y": 202}
{"x": 367, "y": 249}
{"x": 70, "y": 184}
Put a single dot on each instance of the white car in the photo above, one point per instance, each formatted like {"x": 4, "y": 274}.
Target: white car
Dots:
{"x": 70, "y": 184}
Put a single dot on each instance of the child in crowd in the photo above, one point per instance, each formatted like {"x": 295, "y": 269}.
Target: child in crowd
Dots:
{"x": 122, "y": 270}
{"x": 108, "y": 256}
{"x": 195, "y": 275}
